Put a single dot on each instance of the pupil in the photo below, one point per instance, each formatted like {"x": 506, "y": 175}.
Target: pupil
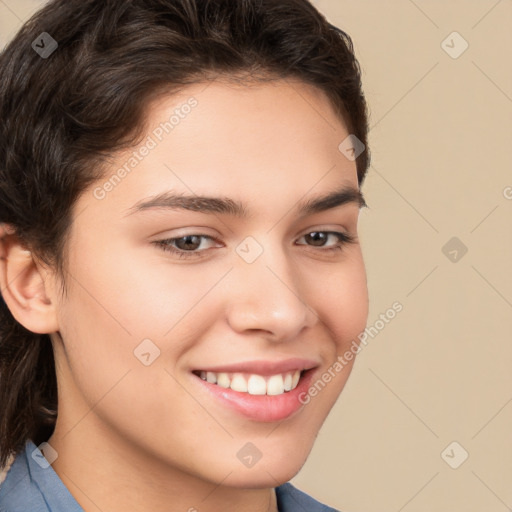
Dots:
{"x": 188, "y": 242}
{"x": 314, "y": 235}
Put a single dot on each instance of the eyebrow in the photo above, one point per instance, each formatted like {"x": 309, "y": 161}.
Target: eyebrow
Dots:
{"x": 227, "y": 206}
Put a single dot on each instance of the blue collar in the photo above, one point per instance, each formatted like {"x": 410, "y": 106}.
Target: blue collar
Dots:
{"x": 32, "y": 484}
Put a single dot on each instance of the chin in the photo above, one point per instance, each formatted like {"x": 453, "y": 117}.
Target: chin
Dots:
{"x": 274, "y": 468}
{"x": 266, "y": 476}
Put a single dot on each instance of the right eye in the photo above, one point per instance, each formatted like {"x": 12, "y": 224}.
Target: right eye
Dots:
{"x": 189, "y": 245}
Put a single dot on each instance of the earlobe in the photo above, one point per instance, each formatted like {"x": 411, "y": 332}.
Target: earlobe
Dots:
{"x": 24, "y": 287}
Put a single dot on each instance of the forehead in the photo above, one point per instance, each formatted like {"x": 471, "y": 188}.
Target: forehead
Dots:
{"x": 287, "y": 116}
{"x": 259, "y": 143}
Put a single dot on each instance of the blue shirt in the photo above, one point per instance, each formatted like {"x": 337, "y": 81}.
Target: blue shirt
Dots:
{"x": 32, "y": 486}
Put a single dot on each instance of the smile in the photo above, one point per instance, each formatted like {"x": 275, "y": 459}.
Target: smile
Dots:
{"x": 252, "y": 383}
{"x": 259, "y": 391}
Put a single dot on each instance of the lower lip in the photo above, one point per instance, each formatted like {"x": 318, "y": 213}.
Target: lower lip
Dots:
{"x": 265, "y": 408}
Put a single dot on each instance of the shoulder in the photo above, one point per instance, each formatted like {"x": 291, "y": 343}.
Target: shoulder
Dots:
{"x": 16, "y": 488}
{"x": 291, "y": 499}
{"x": 30, "y": 483}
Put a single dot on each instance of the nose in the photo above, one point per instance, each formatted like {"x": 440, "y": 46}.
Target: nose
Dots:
{"x": 269, "y": 296}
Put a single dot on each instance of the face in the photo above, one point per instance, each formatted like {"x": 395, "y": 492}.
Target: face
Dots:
{"x": 184, "y": 327}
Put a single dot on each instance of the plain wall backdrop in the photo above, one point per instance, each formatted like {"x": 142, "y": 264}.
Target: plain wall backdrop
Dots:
{"x": 433, "y": 385}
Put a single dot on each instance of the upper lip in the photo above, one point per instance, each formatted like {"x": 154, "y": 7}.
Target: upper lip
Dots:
{"x": 263, "y": 367}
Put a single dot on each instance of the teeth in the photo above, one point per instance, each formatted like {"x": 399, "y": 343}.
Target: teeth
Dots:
{"x": 238, "y": 383}
{"x": 295, "y": 379}
{"x": 275, "y": 385}
{"x": 288, "y": 382}
{"x": 223, "y": 380}
{"x": 254, "y": 384}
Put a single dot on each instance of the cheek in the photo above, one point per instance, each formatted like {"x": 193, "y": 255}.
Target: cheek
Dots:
{"x": 133, "y": 398}
{"x": 150, "y": 294}
{"x": 341, "y": 301}
{"x": 113, "y": 308}
{"x": 343, "y": 304}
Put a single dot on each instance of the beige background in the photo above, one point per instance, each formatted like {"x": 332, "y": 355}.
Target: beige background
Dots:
{"x": 440, "y": 371}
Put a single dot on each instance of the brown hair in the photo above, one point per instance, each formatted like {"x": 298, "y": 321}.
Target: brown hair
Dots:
{"x": 62, "y": 114}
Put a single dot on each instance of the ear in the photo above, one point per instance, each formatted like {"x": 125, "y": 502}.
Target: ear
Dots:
{"x": 24, "y": 285}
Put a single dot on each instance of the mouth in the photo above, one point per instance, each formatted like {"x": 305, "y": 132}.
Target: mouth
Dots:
{"x": 259, "y": 393}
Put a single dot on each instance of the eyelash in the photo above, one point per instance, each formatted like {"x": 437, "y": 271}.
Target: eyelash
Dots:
{"x": 344, "y": 239}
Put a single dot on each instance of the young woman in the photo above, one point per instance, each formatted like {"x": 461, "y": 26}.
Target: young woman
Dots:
{"x": 180, "y": 268}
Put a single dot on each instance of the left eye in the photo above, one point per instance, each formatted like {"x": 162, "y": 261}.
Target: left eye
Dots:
{"x": 186, "y": 246}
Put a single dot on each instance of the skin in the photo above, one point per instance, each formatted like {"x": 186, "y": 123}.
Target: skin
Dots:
{"x": 136, "y": 437}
